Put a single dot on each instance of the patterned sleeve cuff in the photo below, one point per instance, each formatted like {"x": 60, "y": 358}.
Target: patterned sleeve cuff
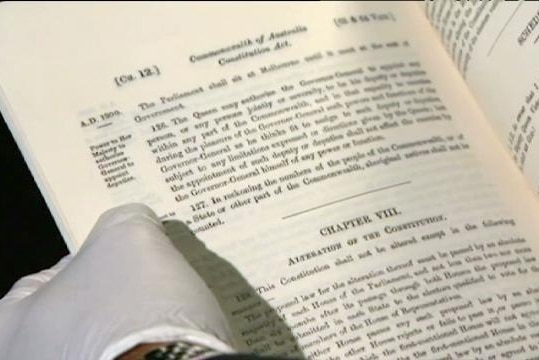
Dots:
{"x": 181, "y": 350}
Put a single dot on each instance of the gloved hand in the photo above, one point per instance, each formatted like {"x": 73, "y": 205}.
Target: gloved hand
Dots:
{"x": 127, "y": 285}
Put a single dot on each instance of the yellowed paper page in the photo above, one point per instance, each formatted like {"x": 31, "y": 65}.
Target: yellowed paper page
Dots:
{"x": 495, "y": 46}
{"x": 347, "y": 197}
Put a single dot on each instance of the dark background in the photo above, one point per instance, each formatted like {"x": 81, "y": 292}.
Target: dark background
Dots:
{"x": 29, "y": 238}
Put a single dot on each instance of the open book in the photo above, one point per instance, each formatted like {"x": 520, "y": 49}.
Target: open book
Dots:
{"x": 358, "y": 179}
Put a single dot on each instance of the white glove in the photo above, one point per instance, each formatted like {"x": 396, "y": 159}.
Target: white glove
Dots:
{"x": 127, "y": 285}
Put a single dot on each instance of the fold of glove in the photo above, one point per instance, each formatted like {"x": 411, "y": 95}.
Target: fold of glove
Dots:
{"x": 127, "y": 285}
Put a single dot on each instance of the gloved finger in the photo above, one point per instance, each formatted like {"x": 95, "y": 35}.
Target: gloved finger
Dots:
{"x": 130, "y": 233}
{"x": 132, "y": 213}
{"x": 27, "y": 285}
{"x": 128, "y": 254}
{"x": 129, "y": 241}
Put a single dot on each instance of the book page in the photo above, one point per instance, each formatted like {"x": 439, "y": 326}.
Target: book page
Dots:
{"x": 323, "y": 166}
{"x": 495, "y": 46}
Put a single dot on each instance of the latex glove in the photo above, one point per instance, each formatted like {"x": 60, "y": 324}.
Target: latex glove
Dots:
{"x": 127, "y": 285}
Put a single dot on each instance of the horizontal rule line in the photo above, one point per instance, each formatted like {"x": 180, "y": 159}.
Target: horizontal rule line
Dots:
{"x": 346, "y": 198}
